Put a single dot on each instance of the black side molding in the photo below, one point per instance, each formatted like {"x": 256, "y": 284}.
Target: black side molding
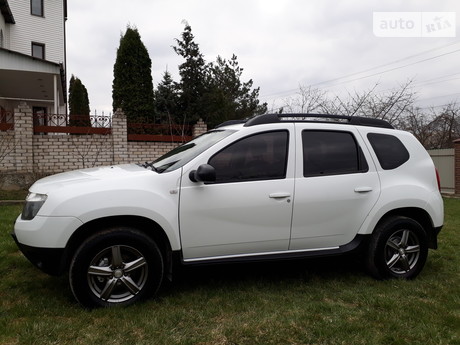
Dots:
{"x": 354, "y": 245}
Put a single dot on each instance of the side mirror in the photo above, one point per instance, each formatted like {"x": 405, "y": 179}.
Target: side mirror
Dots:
{"x": 204, "y": 173}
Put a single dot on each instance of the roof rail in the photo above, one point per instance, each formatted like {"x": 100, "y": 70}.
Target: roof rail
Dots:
{"x": 231, "y": 122}
{"x": 325, "y": 118}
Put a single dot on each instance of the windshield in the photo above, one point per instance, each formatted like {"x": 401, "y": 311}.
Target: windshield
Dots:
{"x": 185, "y": 153}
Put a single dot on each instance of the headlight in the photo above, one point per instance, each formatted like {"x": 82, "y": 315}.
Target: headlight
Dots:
{"x": 33, "y": 204}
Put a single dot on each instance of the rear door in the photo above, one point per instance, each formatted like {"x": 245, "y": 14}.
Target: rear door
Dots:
{"x": 336, "y": 186}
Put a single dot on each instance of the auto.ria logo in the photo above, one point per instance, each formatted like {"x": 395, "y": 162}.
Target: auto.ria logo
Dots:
{"x": 414, "y": 24}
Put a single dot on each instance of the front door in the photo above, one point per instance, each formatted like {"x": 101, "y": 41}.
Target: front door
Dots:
{"x": 248, "y": 209}
{"x": 40, "y": 116}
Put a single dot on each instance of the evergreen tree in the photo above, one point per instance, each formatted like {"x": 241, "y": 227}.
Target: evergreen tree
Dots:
{"x": 132, "y": 83}
{"x": 212, "y": 91}
{"x": 78, "y": 103}
{"x": 167, "y": 100}
{"x": 227, "y": 96}
{"x": 193, "y": 73}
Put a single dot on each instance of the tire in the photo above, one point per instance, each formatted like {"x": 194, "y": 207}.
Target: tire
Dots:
{"x": 397, "y": 249}
{"x": 117, "y": 267}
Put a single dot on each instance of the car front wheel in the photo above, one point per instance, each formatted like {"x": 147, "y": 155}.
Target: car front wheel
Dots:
{"x": 119, "y": 266}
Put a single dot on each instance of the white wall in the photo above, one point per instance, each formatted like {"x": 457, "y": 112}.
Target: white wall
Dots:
{"x": 4, "y": 28}
{"x": 48, "y": 30}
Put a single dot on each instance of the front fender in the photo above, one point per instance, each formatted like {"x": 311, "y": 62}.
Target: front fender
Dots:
{"x": 153, "y": 196}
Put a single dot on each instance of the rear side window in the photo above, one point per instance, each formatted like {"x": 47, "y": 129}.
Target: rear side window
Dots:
{"x": 390, "y": 151}
{"x": 331, "y": 153}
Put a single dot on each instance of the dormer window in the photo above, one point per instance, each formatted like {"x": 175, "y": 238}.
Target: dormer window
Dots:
{"x": 36, "y": 8}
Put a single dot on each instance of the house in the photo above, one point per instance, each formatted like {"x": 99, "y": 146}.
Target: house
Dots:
{"x": 33, "y": 57}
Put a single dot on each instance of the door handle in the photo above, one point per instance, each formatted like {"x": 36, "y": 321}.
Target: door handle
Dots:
{"x": 363, "y": 189}
{"x": 279, "y": 195}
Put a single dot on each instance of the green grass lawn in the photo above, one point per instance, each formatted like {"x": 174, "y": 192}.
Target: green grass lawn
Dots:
{"x": 329, "y": 301}
{"x": 13, "y": 194}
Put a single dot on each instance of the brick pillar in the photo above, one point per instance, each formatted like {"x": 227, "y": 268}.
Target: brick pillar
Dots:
{"x": 23, "y": 138}
{"x": 199, "y": 128}
{"x": 120, "y": 137}
{"x": 457, "y": 166}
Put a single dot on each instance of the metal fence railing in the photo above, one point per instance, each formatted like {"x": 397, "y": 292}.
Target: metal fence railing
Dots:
{"x": 72, "y": 124}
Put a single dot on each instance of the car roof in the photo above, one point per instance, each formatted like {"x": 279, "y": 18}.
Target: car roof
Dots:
{"x": 319, "y": 118}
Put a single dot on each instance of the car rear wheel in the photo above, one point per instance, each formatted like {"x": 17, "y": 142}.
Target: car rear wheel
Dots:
{"x": 398, "y": 249}
{"x": 119, "y": 266}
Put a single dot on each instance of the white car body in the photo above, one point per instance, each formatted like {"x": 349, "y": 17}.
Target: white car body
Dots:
{"x": 293, "y": 216}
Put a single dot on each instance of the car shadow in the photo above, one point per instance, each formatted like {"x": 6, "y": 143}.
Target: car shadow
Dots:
{"x": 268, "y": 272}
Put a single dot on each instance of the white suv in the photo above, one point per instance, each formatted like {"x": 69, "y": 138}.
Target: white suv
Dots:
{"x": 274, "y": 186}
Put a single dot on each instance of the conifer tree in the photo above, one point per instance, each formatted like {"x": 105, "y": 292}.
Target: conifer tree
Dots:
{"x": 132, "y": 83}
{"x": 228, "y": 97}
{"x": 192, "y": 72}
{"x": 167, "y": 100}
{"x": 212, "y": 91}
{"x": 78, "y": 103}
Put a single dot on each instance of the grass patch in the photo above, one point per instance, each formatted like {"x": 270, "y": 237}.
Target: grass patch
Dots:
{"x": 329, "y": 301}
{"x": 13, "y": 194}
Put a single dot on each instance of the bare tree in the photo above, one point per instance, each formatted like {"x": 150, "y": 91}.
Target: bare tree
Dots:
{"x": 434, "y": 129}
{"x": 7, "y": 144}
{"x": 353, "y": 105}
{"x": 419, "y": 124}
{"x": 307, "y": 100}
{"x": 445, "y": 127}
{"x": 390, "y": 106}
{"x": 89, "y": 150}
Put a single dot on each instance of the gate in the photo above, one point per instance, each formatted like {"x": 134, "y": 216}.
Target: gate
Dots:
{"x": 444, "y": 161}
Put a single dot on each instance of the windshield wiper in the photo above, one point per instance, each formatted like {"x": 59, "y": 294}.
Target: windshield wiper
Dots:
{"x": 150, "y": 165}
{"x": 164, "y": 167}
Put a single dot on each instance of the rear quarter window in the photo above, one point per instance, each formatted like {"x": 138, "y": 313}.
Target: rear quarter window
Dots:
{"x": 390, "y": 151}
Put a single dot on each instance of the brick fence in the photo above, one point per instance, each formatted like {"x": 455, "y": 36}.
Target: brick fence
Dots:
{"x": 26, "y": 156}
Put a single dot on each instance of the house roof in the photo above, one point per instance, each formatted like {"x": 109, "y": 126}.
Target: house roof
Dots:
{"x": 26, "y": 77}
{"x": 6, "y": 11}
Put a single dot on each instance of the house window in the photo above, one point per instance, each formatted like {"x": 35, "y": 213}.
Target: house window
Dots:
{"x": 38, "y": 50}
{"x": 36, "y": 7}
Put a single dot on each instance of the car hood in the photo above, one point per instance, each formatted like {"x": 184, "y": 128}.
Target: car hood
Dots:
{"x": 75, "y": 177}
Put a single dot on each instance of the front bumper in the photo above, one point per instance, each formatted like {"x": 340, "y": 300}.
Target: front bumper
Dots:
{"x": 43, "y": 240}
{"x": 49, "y": 260}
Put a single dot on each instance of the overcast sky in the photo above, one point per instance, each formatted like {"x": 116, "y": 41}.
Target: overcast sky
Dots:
{"x": 281, "y": 44}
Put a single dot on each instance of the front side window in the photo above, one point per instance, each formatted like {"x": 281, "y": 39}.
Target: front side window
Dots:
{"x": 261, "y": 156}
{"x": 38, "y": 50}
{"x": 331, "y": 153}
{"x": 36, "y": 7}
